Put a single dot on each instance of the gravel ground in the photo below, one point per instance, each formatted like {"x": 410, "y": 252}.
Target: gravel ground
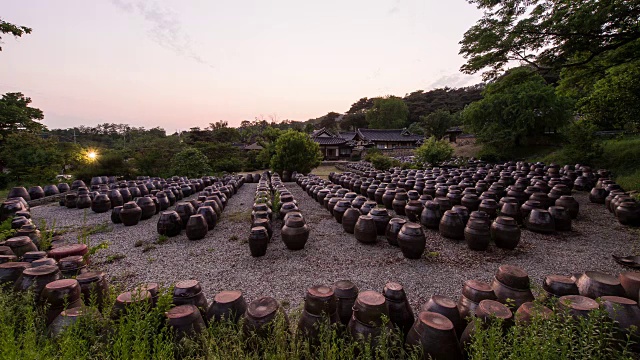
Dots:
{"x": 222, "y": 261}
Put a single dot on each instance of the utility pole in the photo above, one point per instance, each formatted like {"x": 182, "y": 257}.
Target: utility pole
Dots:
{"x": 74, "y": 135}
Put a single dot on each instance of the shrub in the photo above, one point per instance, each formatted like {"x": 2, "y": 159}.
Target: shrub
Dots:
{"x": 190, "y": 162}
{"x": 295, "y": 151}
{"x": 382, "y": 162}
{"x": 583, "y": 145}
{"x": 434, "y": 151}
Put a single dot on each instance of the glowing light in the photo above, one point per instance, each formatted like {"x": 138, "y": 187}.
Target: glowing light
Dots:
{"x": 92, "y": 155}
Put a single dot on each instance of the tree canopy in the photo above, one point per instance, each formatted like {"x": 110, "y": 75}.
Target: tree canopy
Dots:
{"x": 17, "y": 115}
{"x": 295, "y": 151}
{"x": 518, "y": 107}
{"x": 548, "y": 34}
{"x": 190, "y": 162}
{"x": 15, "y": 30}
{"x": 388, "y": 113}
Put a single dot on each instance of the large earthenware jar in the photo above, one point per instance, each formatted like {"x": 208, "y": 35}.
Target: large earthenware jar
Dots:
{"x": 381, "y": 218}
{"x": 489, "y": 206}
{"x": 185, "y": 210}
{"x": 435, "y": 335}
{"x": 487, "y": 311}
{"x": 189, "y": 292}
{"x": 169, "y": 224}
{"x": 115, "y": 198}
{"x": 511, "y": 210}
{"x": 94, "y": 287}
{"x": 227, "y": 305}
{"x": 477, "y": 233}
{"x": 50, "y": 190}
{"x": 115, "y": 215}
{"x": 148, "y": 207}
{"x": 393, "y": 228}
{"x": 628, "y": 213}
{"x": 448, "y": 308}
{"x": 209, "y": 215}
{"x": 400, "y": 313}
{"x": 595, "y": 284}
{"x": 19, "y": 192}
{"x": 130, "y": 214}
{"x": 258, "y": 240}
{"x": 37, "y": 278}
{"x": 20, "y": 245}
{"x": 511, "y": 286}
{"x": 473, "y": 293}
{"x": 412, "y": 240}
{"x": 431, "y": 215}
{"x": 83, "y": 201}
{"x": 101, "y": 203}
{"x": 413, "y": 210}
{"x": 561, "y": 218}
{"x": 570, "y": 204}
{"x": 185, "y": 321}
{"x": 577, "y": 306}
{"x": 529, "y": 205}
{"x": 388, "y": 197}
{"x": 346, "y": 293}
{"x": 320, "y": 305}
{"x": 451, "y": 226}
{"x": 339, "y": 209}
{"x": 365, "y": 230}
{"x": 260, "y": 314}
{"x": 399, "y": 202}
{"x": 555, "y": 286}
{"x": 197, "y": 227}
{"x": 505, "y": 232}
{"x": 60, "y": 295}
{"x": 540, "y": 220}
{"x": 36, "y": 192}
{"x": 295, "y": 233}
{"x": 626, "y": 315}
{"x": 597, "y": 195}
{"x": 367, "y": 319}
{"x": 470, "y": 201}
{"x": 349, "y": 219}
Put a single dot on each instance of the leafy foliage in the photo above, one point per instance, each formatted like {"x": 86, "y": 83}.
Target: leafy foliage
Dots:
{"x": 295, "y": 151}
{"x": 15, "y": 30}
{"x": 583, "y": 146}
{"x": 547, "y": 34}
{"x": 516, "y": 109}
{"x": 16, "y": 115}
{"x": 382, "y": 162}
{"x": 423, "y": 103}
{"x": 190, "y": 162}
{"x": 31, "y": 159}
{"x": 437, "y": 123}
{"x": 434, "y": 151}
{"x": 388, "y": 113}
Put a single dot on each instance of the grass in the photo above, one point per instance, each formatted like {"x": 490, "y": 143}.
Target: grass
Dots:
{"x": 324, "y": 170}
{"x": 162, "y": 239}
{"x": 3, "y": 194}
{"x": 114, "y": 258}
{"x": 148, "y": 247}
{"x": 141, "y": 333}
{"x": 240, "y": 216}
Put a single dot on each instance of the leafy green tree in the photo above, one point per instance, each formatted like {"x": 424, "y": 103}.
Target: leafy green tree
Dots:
{"x": 17, "y": 115}
{"x": 29, "y": 159}
{"x": 295, "y": 151}
{"x": 515, "y": 110}
{"x": 437, "y": 123}
{"x": 434, "y": 151}
{"x": 329, "y": 121}
{"x": 15, "y": 30}
{"x": 547, "y": 34}
{"x": 190, "y": 162}
{"x": 583, "y": 145}
{"x": 382, "y": 162}
{"x": 388, "y": 113}
{"x": 422, "y": 103}
{"x": 150, "y": 154}
{"x": 223, "y": 156}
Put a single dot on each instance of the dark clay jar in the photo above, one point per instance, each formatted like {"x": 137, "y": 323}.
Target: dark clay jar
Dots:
{"x": 11, "y": 271}
{"x": 36, "y": 192}
{"x": 570, "y": 205}
{"x": 365, "y": 230}
{"x": 399, "y": 202}
{"x": 185, "y": 210}
{"x": 71, "y": 200}
{"x": 72, "y": 266}
{"x": 366, "y": 322}
{"x": 388, "y": 197}
{"x": 451, "y": 225}
{"x": 349, "y": 219}
{"x": 381, "y": 218}
{"x": 320, "y": 303}
{"x": 561, "y": 218}
{"x": 258, "y": 240}
{"x": 339, "y": 209}
{"x": 477, "y": 233}
{"x": 60, "y": 295}
{"x": 540, "y": 220}
{"x": 83, "y": 201}
{"x": 147, "y": 206}
{"x": 126, "y": 195}
{"x": 115, "y": 215}
{"x": 431, "y": 215}
{"x": 189, "y": 292}
{"x": 400, "y": 313}
{"x": 412, "y": 240}
{"x": 169, "y": 224}
{"x": 462, "y": 211}
{"x": 197, "y": 227}
{"x": 505, "y": 232}
{"x": 446, "y": 307}
{"x": 20, "y": 245}
{"x": 436, "y": 336}
{"x": 258, "y": 317}
{"x": 597, "y": 195}
{"x": 473, "y": 293}
{"x": 393, "y": 228}
{"x": 227, "y": 305}
{"x": 185, "y": 321}
{"x": 471, "y": 202}
{"x": 37, "y": 278}
{"x": 346, "y": 293}
{"x": 163, "y": 200}
{"x": 209, "y": 215}
{"x": 101, "y": 204}
{"x": 94, "y": 287}
{"x": 19, "y": 192}
{"x": 444, "y": 203}
{"x": 529, "y": 205}
{"x": 295, "y": 233}
{"x": 489, "y": 206}
{"x": 115, "y": 198}
{"x": 130, "y": 214}
{"x": 413, "y": 210}
{"x": 50, "y": 190}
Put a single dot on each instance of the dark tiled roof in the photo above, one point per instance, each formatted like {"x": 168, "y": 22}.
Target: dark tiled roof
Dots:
{"x": 329, "y": 140}
{"x": 253, "y": 146}
{"x": 397, "y": 135}
{"x": 348, "y": 135}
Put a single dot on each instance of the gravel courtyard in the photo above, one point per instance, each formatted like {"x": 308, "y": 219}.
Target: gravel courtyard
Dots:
{"x": 222, "y": 261}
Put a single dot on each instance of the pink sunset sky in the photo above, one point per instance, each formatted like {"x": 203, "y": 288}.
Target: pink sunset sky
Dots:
{"x": 179, "y": 64}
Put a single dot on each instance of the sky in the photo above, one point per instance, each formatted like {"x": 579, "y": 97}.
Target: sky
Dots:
{"x": 181, "y": 64}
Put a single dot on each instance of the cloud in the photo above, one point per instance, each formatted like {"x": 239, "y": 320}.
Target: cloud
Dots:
{"x": 455, "y": 80}
{"x": 165, "y": 29}
{"x": 395, "y": 8}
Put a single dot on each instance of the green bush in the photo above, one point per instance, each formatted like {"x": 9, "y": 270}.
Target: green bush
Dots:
{"x": 295, "y": 151}
{"x": 434, "y": 151}
{"x": 190, "y": 162}
{"x": 583, "y": 145}
{"x": 382, "y": 162}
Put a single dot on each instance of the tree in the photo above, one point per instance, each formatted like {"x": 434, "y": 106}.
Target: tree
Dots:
{"x": 295, "y": 151}
{"x": 352, "y": 122}
{"x": 437, "y": 123}
{"x": 516, "y": 109}
{"x": 329, "y": 121}
{"x": 31, "y": 159}
{"x": 548, "y": 34}
{"x": 583, "y": 145}
{"x": 17, "y": 115}
{"x": 388, "y": 113}
{"x": 190, "y": 162}
{"x": 15, "y": 30}
{"x": 422, "y": 103}
{"x": 434, "y": 151}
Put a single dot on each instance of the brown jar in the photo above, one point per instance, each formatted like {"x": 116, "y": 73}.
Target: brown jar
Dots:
{"x": 346, "y": 293}
{"x": 381, "y": 218}
{"x": 365, "y": 230}
{"x": 393, "y": 228}
{"x": 412, "y": 240}
{"x": 295, "y": 233}
{"x": 227, "y": 305}
{"x": 94, "y": 287}
{"x": 505, "y": 232}
{"x": 451, "y": 226}
{"x": 349, "y": 219}
{"x": 400, "y": 313}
